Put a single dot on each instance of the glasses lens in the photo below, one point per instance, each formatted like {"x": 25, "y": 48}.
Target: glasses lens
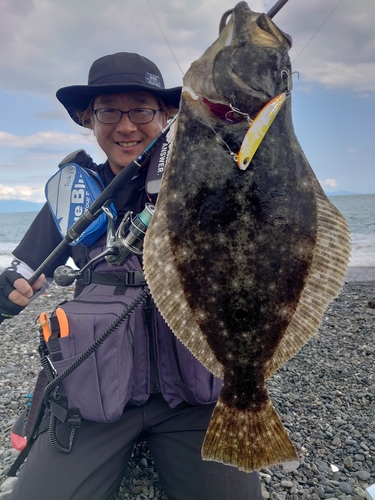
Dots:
{"x": 141, "y": 115}
{"x": 138, "y": 115}
{"x": 108, "y": 115}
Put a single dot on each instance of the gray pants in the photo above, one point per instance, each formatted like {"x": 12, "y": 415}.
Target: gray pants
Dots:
{"x": 97, "y": 463}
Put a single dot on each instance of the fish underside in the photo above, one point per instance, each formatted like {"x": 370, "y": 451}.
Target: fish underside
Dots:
{"x": 243, "y": 263}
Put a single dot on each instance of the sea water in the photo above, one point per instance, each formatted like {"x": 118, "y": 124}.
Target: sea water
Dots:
{"x": 359, "y": 211}
{"x": 12, "y": 229}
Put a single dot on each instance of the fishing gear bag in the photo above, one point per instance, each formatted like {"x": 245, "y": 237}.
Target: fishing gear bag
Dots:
{"x": 102, "y": 385}
{"x": 79, "y": 379}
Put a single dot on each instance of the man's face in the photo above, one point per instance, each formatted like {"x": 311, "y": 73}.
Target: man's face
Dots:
{"x": 123, "y": 142}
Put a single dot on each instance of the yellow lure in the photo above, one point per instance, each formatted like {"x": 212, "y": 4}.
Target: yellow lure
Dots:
{"x": 258, "y": 129}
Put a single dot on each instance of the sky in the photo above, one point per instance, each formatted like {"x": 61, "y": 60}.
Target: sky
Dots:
{"x": 48, "y": 44}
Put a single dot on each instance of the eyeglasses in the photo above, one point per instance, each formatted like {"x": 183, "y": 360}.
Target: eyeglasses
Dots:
{"x": 138, "y": 115}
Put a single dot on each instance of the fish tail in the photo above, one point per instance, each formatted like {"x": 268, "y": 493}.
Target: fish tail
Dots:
{"x": 249, "y": 440}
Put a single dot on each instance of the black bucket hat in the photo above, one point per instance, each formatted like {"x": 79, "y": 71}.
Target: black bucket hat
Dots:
{"x": 117, "y": 73}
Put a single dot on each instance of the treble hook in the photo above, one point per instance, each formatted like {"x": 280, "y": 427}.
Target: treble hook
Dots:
{"x": 289, "y": 84}
{"x": 239, "y": 112}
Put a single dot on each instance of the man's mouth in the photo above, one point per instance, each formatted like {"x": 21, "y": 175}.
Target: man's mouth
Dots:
{"x": 128, "y": 144}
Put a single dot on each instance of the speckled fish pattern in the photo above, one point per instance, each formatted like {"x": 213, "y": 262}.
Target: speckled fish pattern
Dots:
{"x": 242, "y": 264}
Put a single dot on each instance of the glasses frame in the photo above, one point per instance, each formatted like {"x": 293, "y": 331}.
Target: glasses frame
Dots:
{"x": 122, "y": 113}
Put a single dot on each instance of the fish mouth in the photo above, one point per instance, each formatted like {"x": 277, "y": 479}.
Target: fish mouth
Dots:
{"x": 223, "y": 112}
{"x": 215, "y": 111}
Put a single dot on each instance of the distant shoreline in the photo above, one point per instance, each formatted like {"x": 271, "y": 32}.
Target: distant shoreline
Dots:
{"x": 347, "y": 193}
{"x": 20, "y": 206}
{"x": 363, "y": 273}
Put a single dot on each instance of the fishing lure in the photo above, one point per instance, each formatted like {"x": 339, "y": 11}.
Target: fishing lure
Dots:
{"x": 258, "y": 129}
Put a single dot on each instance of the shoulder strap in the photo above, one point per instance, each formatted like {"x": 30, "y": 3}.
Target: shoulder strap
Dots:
{"x": 80, "y": 157}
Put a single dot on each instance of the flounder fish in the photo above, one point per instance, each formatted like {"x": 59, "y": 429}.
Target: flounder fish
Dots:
{"x": 244, "y": 251}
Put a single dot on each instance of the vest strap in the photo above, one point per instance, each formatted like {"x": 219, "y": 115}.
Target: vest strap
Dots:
{"x": 121, "y": 281}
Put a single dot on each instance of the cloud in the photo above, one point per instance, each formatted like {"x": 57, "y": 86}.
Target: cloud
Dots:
{"x": 50, "y": 137}
{"x": 52, "y": 114}
{"x": 329, "y": 183}
{"x": 334, "y": 41}
{"x": 25, "y": 193}
{"x": 78, "y": 31}
{"x": 335, "y": 74}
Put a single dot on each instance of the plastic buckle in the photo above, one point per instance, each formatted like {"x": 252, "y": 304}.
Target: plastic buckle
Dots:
{"x": 59, "y": 406}
{"x": 86, "y": 277}
{"x": 134, "y": 278}
{"x": 74, "y": 418}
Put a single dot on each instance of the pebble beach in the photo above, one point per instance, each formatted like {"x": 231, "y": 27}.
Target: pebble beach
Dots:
{"x": 325, "y": 396}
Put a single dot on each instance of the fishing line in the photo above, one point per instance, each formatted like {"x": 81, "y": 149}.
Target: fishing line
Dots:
{"x": 205, "y": 115}
{"x": 204, "y": 111}
{"x": 218, "y": 136}
{"x": 317, "y": 31}
{"x": 164, "y": 36}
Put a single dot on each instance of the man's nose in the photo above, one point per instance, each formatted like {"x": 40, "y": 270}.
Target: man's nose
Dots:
{"x": 125, "y": 124}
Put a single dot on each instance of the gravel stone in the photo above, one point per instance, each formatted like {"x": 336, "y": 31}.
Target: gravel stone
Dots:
{"x": 360, "y": 492}
{"x": 8, "y": 484}
{"x": 345, "y": 488}
{"x": 5, "y": 495}
{"x": 286, "y": 484}
{"x": 363, "y": 475}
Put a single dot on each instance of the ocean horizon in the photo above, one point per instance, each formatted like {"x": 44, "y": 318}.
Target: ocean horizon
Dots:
{"x": 359, "y": 211}
{"x": 23, "y": 206}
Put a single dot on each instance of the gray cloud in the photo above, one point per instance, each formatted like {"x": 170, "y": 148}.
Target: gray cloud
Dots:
{"x": 51, "y": 137}
{"x": 334, "y": 42}
{"x": 46, "y": 44}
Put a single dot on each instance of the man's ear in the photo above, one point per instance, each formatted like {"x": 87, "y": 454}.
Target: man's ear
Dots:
{"x": 165, "y": 116}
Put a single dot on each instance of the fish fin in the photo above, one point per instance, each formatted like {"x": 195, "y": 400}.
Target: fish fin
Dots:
{"x": 323, "y": 284}
{"x": 167, "y": 291}
{"x": 249, "y": 440}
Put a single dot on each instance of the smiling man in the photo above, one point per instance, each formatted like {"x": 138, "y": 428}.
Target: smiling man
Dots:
{"x": 149, "y": 383}
{"x": 125, "y": 104}
{"x": 123, "y": 135}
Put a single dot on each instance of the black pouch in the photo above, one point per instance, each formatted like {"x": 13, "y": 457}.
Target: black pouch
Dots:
{"x": 28, "y": 425}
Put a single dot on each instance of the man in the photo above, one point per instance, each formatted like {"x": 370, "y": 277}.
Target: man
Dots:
{"x": 161, "y": 392}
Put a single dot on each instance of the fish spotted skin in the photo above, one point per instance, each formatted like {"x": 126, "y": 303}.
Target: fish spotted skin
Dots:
{"x": 242, "y": 263}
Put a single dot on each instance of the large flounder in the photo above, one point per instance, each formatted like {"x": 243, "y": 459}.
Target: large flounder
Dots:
{"x": 242, "y": 263}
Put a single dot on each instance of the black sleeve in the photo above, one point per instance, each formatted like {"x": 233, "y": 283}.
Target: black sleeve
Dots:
{"x": 39, "y": 241}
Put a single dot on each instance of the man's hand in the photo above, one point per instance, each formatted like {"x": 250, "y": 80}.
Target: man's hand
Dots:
{"x": 15, "y": 293}
{"x": 23, "y": 291}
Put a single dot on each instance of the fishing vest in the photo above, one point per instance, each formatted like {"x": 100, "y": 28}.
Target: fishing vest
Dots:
{"x": 141, "y": 357}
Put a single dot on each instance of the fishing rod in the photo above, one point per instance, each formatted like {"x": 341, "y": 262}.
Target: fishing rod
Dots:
{"x": 275, "y": 9}
{"x": 101, "y": 202}
{"x": 271, "y": 13}
{"x": 122, "y": 179}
